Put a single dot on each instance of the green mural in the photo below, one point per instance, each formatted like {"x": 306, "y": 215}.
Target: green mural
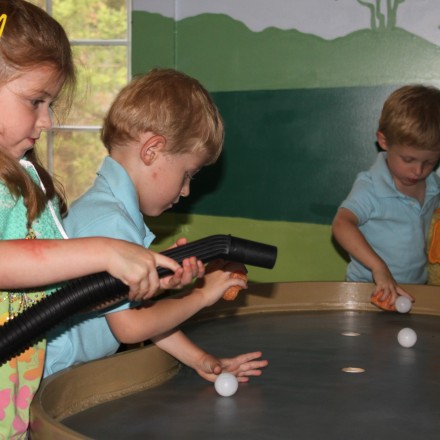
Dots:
{"x": 300, "y": 115}
{"x": 382, "y": 20}
{"x": 289, "y": 155}
{"x": 225, "y": 55}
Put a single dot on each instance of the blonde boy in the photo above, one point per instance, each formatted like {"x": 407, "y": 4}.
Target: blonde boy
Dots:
{"x": 160, "y": 131}
{"x": 384, "y": 222}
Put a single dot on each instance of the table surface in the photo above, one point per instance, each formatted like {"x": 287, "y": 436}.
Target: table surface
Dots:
{"x": 303, "y": 393}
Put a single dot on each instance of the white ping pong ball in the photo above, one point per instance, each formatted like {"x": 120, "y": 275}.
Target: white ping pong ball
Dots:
{"x": 407, "y": 337}
{"x": 403, "y": 304}
{"x": 226, "y": 384}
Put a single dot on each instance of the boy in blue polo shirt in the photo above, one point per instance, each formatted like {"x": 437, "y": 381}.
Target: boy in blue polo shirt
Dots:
{"x": 160, "y": 131}
{"x": 384, "y": 222}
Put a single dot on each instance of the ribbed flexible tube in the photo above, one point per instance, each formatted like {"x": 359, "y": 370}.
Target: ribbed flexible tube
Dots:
{"x": 30, "y": 326}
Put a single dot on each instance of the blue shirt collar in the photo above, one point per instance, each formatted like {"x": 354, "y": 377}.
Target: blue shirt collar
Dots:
{"x": 124, "y": 191}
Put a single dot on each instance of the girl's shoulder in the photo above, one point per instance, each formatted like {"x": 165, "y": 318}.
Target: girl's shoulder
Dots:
{"x": 6, "y": 197}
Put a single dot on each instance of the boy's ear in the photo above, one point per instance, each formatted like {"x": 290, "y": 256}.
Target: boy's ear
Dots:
{"x": 382, "y": 140}
{"x": 151, "y": 148}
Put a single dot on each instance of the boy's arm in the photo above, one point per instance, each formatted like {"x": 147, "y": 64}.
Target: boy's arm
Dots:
{"x": 346, "y": 231}
{"x": 136, "y": 325}
{"x": 207, "y": 366}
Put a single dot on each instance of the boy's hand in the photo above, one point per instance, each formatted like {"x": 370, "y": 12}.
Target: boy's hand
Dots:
{"x": 192, "y": 268}
{"x": 218, "y": 280}
{"x": 233, "y": 291}
{"x": 387, "y": 290}
{"x": 242, "y": 366}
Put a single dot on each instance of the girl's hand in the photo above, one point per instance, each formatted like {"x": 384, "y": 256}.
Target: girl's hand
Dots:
{"x": 136, "y": 267}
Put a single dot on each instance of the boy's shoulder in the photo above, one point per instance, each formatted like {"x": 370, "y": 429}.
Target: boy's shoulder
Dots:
{"x": 433, "y": 182}
{"x": 112, "y": 192}
{"x": 435, "y": 176}
{"x": 99, "y": 212}
{"x": 107, "y": 218}
{"x": 95, "y": 207}
{"x": 378, "y": 172}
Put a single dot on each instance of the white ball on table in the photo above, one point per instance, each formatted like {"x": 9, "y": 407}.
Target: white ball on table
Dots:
{"x": 407, "y": 337}
{"x": 226, "y": 384}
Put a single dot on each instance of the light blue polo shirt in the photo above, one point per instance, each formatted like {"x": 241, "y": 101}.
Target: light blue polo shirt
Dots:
{"x": 109, "y": 208}
{"x": 395, "y": 225}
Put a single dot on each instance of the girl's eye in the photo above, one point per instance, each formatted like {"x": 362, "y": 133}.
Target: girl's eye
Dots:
{"x": 36, "y": 102}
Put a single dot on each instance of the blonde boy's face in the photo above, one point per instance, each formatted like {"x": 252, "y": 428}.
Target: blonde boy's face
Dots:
{"x": 167, "y": 179}
{"x": 409, "y": 166}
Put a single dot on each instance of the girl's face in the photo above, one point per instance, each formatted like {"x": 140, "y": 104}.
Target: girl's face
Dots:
{"x": 25, "y": 112}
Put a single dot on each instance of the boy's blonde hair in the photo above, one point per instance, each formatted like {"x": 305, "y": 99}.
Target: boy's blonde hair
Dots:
{"x": 411, "y": 117}
{"x": 31, "y": 39}
{"x": 168, "y": 103}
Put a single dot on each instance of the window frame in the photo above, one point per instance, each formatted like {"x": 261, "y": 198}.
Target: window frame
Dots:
{"x": 50, "y": 134}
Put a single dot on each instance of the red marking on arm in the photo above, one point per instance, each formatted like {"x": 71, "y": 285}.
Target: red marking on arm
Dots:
{"x": 36, "y": 248}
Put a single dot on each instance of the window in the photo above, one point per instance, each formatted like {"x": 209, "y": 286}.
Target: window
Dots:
{"x": 99, "y": 31}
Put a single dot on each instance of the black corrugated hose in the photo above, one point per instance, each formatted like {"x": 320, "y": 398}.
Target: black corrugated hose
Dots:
{"x": 86, "y": 292}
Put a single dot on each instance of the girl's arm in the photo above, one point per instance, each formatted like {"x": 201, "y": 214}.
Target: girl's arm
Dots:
{"x": 31, "y": 263}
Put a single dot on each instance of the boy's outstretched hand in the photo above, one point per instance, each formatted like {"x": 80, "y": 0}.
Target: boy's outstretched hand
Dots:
{"x": 242, "y": 366}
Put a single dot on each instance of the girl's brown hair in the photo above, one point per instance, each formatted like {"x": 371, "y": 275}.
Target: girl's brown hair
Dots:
{"x": 32, "y": 38}
{"x": 168, "y": 103}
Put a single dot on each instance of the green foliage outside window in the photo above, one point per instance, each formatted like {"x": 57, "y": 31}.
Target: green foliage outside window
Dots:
{"x": 102, "y": 72}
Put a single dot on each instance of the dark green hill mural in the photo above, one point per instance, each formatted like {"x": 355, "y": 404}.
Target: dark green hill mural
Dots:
{"x": 289, "y": 155}
{"x": 227, "y": 56}
{"x": 300, "y": 112}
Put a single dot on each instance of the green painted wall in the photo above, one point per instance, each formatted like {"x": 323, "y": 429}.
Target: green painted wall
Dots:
{"x": 225, "y": 55}
{"x": 289, "y": 155}
{"x": 300, "y": 115}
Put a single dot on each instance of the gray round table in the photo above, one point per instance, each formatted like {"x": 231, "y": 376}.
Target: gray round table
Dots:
{"x": 336, "y": 371}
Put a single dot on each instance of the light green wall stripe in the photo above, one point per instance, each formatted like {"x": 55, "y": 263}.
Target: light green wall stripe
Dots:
{"x": 305, "y": 251}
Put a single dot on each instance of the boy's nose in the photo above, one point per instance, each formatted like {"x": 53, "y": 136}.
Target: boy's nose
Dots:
{"x": 418, "y": 169}
{"x": 185, "y": 191}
